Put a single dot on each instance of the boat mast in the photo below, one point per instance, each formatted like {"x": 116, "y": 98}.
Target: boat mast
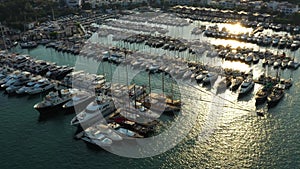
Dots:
{"x": 277, "y": 75}
{"x": 125, "y": 52}
{"x": 149, "y": 82}
{"x": 163, "y": 82}
{"x": 52, "y": 14}
{"x": 172, "y": 92}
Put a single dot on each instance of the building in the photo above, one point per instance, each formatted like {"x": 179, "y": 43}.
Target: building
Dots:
{"x": 284, "y": 7}
{"x": 74, "y": 3}
{"x": 95, "y": 3}
{"x": 228, "y": 4}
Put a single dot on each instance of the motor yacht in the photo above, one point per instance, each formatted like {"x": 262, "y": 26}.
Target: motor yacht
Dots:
{"x": 41, "y": 86}
{"x": 95, "y": 111}
{"x": 246, "y": 87}
{"x": 54, "y": 100}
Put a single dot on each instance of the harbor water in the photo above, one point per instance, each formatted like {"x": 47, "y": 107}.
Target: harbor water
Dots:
{"x": 232, "y": 136}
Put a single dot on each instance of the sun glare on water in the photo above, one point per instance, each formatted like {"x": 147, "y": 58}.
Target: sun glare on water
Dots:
{"x": 236, "y": 28}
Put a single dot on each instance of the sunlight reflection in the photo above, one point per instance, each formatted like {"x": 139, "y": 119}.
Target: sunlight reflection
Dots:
{"x": 236, "y": 28}
{"x": 236, "y": 66}
{"x": 232, "y": 43}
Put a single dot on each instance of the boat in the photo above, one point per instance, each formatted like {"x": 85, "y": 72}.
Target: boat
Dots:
{"x": 246, "y": 87}
{"x": 276, "y": 95}
{"x": 271, "y": 61}
{"x": 100, "y": 141}
{"x": 42, "y": 86}
{"x": 249, "y": 58}
{"x": 282, "y": 43}
{"x": 187, "y": 75}
{"x": 210, "y": 78}
{"x": 54, "y": 100}
{"x": 17, "y": 85}
{"x": 255, "y": 59}
{"x": 292, "y": 64}
{"x": 95, "y": 111}
{"x": 262, "y": 94}
{"x": 236, "y": 82}
{"x": 264, "y": 62}
{"x": 159, "y": 103}
{"x": 10, "y": 80}
{"x": 201, "y": 76}
{"x": 275, "y": 42}
{"x": 284, "y": 63}
{"x": 28, "y": 45}
{"x": 260, "y": 113}
{"x": 277, "y": 63}
{"x": 153, "y": 68}
{"x": 287, "y": 83}
{"x": 101, "y": 131}
{"x": 78, "y": 102}
{"x": 289, "y": 44}
{"x": 126, "y": 133}
{"x": 295, "y": 45}
{"x": 28, "y": 85}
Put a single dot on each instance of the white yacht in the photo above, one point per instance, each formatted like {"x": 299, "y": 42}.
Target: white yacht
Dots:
{"x": 95, "y": 111}
{"x": 78, "y": 102}
{"x": 99, "y": 140}
{"x": 246, "y": 86}
{"x": 104, "y": 131}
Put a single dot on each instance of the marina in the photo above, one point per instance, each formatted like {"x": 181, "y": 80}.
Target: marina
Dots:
{"x": 231, "y": 85}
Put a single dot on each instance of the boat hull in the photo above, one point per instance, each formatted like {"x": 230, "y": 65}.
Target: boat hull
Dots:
{"x": 260, "y": 100}
{"x": 50, "y": 109}
{"x": 273, "y": 103}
